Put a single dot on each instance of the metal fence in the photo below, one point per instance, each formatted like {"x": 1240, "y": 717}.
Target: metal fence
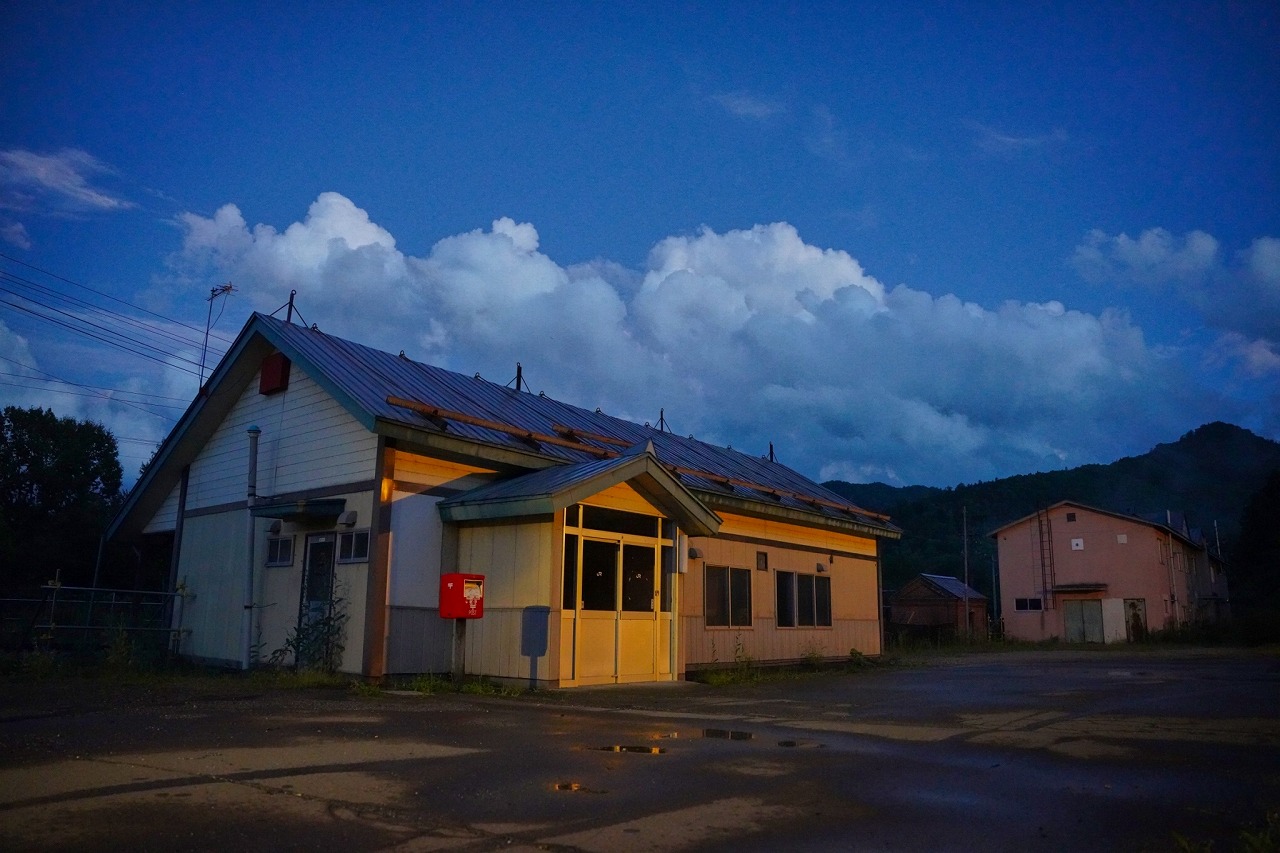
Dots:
{"x": 90, "y": 620}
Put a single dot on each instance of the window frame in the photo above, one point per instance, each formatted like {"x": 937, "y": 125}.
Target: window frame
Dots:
{"x": 349, "y": 537}
{"x": 277, "y": 560}
{"x": 731, "y": 608}
{"x": 814, "y": 611}
{"x": 1031, "y": 604}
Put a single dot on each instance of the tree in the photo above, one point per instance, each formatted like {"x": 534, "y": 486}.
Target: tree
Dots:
{"x": 1255, "y": 570}
{"x": 59, "y": 486}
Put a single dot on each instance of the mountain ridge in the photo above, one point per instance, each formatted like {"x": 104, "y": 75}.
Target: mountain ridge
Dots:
{"x": 1209, "y": 474}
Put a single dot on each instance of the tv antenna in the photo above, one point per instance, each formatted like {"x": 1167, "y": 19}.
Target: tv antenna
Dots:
{"x": 214, "y": 292}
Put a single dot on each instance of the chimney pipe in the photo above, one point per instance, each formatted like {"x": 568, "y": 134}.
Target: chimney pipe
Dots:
{"x": 251, "y": 497}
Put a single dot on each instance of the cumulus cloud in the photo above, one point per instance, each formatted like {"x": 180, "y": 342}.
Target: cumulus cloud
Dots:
{"x": 1256, "y": 357}
{"x": 1155, "y": 258}
{"x": 1239, "y": 296}
{"x": 744, "y": 337}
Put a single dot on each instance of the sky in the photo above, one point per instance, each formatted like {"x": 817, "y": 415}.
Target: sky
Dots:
{"x": 930, "y": 245}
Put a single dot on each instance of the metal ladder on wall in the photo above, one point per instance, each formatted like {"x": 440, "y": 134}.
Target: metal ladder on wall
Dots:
{"x": 1045, "y": 527}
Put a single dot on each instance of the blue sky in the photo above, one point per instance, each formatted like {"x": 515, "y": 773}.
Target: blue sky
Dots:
{"x": 930, "y": 245}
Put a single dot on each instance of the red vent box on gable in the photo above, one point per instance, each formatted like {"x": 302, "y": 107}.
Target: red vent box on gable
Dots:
{"x": 275, "y": 374}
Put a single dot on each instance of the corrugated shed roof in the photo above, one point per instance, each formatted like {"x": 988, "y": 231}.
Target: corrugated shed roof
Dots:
{"x": 367, "y": 377}
{"x": 952, "y": 586}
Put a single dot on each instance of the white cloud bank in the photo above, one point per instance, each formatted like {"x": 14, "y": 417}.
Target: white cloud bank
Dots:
{"x": 744, "y": 337}
{"x": 1239, "y": 297}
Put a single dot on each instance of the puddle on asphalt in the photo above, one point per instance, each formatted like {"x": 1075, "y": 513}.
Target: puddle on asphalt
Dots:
{"x": 721, "y": 734}
{"x": 644, "y": 750}
{"x": 576, "y": 788}
{"x": 800, "y": 744}
{"x": 727, "y": 734}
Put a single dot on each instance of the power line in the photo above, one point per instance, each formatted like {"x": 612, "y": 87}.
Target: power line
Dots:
{"x": 88, "y": 308}
{"x": 122, "y": 343}
{"x": 107, "y": 296}
{"x": 133, "y": 404}
{"x": 182, "y": 401}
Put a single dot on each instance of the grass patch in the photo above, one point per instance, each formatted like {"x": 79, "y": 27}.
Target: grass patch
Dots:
{"x": 747, "y": 671}
{"x": 485, "y": 687}
{"x": 1263, "y": 838}
{"x": 430, "y": 685}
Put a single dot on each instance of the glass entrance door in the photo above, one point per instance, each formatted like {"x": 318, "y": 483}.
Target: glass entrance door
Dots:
{"x": 637, "y": 632}
{"x": 617, "y": 613}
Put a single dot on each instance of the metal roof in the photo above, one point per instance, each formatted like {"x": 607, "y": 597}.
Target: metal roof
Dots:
{"x": 364, "y": 379}
{"x": 952, "y": 586}
{"x": 367, "y": 377}
{"x": 551, "y": 489}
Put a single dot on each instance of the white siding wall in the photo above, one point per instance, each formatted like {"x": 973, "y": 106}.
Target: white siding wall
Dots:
{"x": 418, "y": 639}
{"x": 212, "y": 568}
{"x": 166, "y": 518}
{"x": 279, "y": 587}
{"x": 416, "y": 535}
{"x": 308, "y": 441}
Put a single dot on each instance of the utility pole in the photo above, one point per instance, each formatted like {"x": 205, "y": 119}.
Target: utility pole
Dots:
{"x": 968, "y": 621}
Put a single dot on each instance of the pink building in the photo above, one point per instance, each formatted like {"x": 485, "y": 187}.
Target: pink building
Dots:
{"x": 1083, "y": 574}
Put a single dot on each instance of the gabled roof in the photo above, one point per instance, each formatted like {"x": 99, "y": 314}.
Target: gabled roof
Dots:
{"x": 1147, "y": 522}
{"x": 951, "y": 587}
{"x": 466, "y": 416}
{"x": 551, "y": 489}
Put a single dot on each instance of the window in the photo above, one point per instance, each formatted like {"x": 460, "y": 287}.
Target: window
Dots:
{"x": 666, "y": 581}
{"x": 599, "y": 575}
{"x": 619, "y": 521}
{"x": 353, "y": 547}
{"x": 569, "y": 592}
{"x": 1028, "y": 604}
{"x": 804, "y": 601}
{"x": 1071, "y": 516}
{"x": 280, "y": 551}
{"x": 727, "y": 597}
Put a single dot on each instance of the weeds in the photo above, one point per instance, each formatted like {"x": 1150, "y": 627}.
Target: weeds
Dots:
{"x": 485, "y": 687}
{"x": 430, "y": 684}
{"x": 1262, "y": 839}
{"x": 317, "y": 642}
{"x": 366, "y": 689}
{"x": 812, "y": 659}
{"x": 1265, "y": 839}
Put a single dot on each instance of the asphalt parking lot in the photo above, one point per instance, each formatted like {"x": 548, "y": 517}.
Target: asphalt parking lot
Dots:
{"x": 1107, "y": 750}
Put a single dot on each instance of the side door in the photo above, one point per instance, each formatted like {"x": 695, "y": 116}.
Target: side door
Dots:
{"x": 316, "y": 632}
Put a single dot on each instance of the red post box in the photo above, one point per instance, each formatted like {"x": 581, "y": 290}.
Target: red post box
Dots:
{"x": 461, "y": 596}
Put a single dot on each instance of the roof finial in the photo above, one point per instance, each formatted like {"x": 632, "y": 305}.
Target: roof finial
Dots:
{"x": 519, "y": 380}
